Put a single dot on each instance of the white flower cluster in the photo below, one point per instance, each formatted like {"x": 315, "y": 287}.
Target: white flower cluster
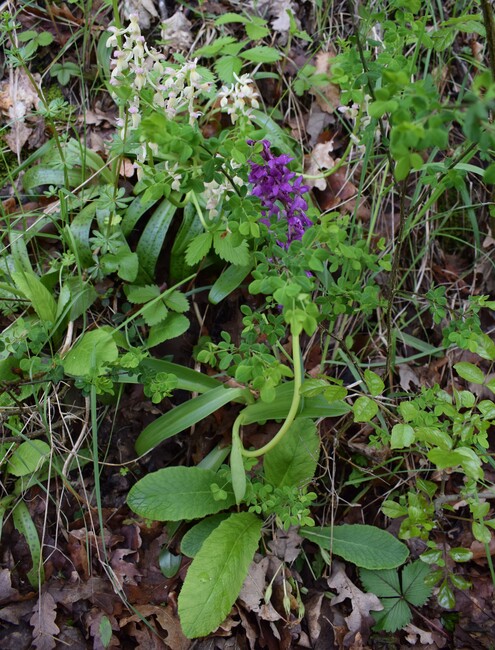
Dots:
{"x": 135, "y": 64}
{"x": 239, "y": 98}
{"x": 214, "y": 193}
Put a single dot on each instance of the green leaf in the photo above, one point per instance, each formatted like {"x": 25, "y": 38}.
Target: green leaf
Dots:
{"x": 105, "y": 631}
{"x": 194, "y": 538}
{"x": 177, "y": 493}
{"x": 172, "y": 327}
{"x": 256, "y": 32}
{"x": 154, "y": 313}
{"x": 45, "y": 38}
{"x": 460, "y": 554}
{"x": 91, "y": 353}
{"x": 169, "y": 563}
{"x": 384, "y": 584}
{"x": 314, "y": 407}
{"x": 445, "y": 596}
{"x": 151, "y": 241}
{"x": 140, "y": 295}
{"x": 374, "y": 382}
{"x": 217, "y": 573}
{"x": 199, "y": 248}
{"x": 226, "y": 66}
{"x": 176, "y": 301}
{"x": 227, "y": 282}
{"x": 237, "y": 469}
{"x": 42, "y": 300}
{"x": 28, "y": 457}
{"x": 402, "y": 436}
{"x": 25, "y": 525}
{"x": 364, "y": 409}
{"x": 489, "y": 174}
{"x": 261, "y": 54}
{"x": 184, "y": 416}
{"x": 230, "y": 17}
{"x": 188, "y": 379}
{"x": 366, "y": 546}
{"x": 392, "y": 509}
{"x": 224, "y": 248}
{"x": 294, "y": 460}
{"x": 463, "y": 456}
{"x": 470, "y": 372}
{"x": 414, "y": 589}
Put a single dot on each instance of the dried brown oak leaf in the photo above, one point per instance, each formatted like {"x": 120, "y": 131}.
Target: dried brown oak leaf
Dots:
{"x": 45, "y": 630}
{"x": 316, "y": 162}
{"x": 360, "y": 619}
{"x": 327, "y": 97}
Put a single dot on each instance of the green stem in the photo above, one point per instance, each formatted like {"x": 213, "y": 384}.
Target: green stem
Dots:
{"x": 291, "y": 415}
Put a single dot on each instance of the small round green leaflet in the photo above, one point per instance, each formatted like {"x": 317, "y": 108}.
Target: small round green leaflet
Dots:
{"x": 365, "y": 546}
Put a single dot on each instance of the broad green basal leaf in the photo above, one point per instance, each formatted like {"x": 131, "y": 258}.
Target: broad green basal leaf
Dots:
{"x": 215, "y": 577}
{"x": 91, "y": 353}
{"x": 293, "y": 461}
{"x": 365, "y": 546}
{"x": 177, "y": 493}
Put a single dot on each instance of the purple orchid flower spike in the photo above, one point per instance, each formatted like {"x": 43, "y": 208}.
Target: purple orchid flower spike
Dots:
{"x": 280, "y": 192}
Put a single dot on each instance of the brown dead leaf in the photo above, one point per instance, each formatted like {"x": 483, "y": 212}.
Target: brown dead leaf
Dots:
{"x": 253, "y": 591}
{"x": 176, "y": 32}
{"x": 43, "y": 623}
{"x": 407, "y": 377}
{"x": 167, "y": 621}
{"x": 7, "y": 593}
{"x": 328, "y": 97}
{"x": 125, "y": 572}
{"x": 286, "y": 544}
{"x": 359, "y": 620}
{"x": 414, "y": 633}
{"x": 18, "y": 99}
{"x": 144, "y": 9}
{"x": 316, "y": 162}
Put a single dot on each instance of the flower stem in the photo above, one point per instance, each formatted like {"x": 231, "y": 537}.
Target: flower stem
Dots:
{"x": 291, "y": 415}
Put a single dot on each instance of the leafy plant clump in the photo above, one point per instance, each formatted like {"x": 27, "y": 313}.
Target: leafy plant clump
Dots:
{"x": 260, "y": 306}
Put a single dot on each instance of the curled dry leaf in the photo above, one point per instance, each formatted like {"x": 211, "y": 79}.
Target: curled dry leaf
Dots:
{"x": 286, "y": 544}
{"x": 414, "y": 633}
{"x": 176, "y": 32}
{"x": 253, "y": 591}
{"x": 167, "y": 621}
{"x": 360, "y": 619}
{"x": 17, "y": 99}
{"x": 7, "y": 593}
{"x": 328, "y": 97}
{"x": 43, "y": 623}
{"x": 145, "y": 10}
{"x": 316, "y": 162}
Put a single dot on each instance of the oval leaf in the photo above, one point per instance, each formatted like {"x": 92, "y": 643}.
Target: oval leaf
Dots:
{"x": 216, "y": 575}
{"x": 365, "y": 546}
{"x": 294, "y": 461}
{"x": 177, "y": 493}
{"x": 194, "y": 538}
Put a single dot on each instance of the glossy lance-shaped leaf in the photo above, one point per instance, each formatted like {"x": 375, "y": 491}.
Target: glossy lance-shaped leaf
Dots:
{"x": 194, "y": 539}
{"x": 216, "y": 575}
{"x": 227, "y": 281}
{"x": 25, "y": 525}
{"x": 188, "y": 379}
{"x": 365, "y": 546}
{"x": 184, "y": 416}
{"x": 311, "y": 407}
{"x": 151, "y": 241}
{"x": 177, "y": 493}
